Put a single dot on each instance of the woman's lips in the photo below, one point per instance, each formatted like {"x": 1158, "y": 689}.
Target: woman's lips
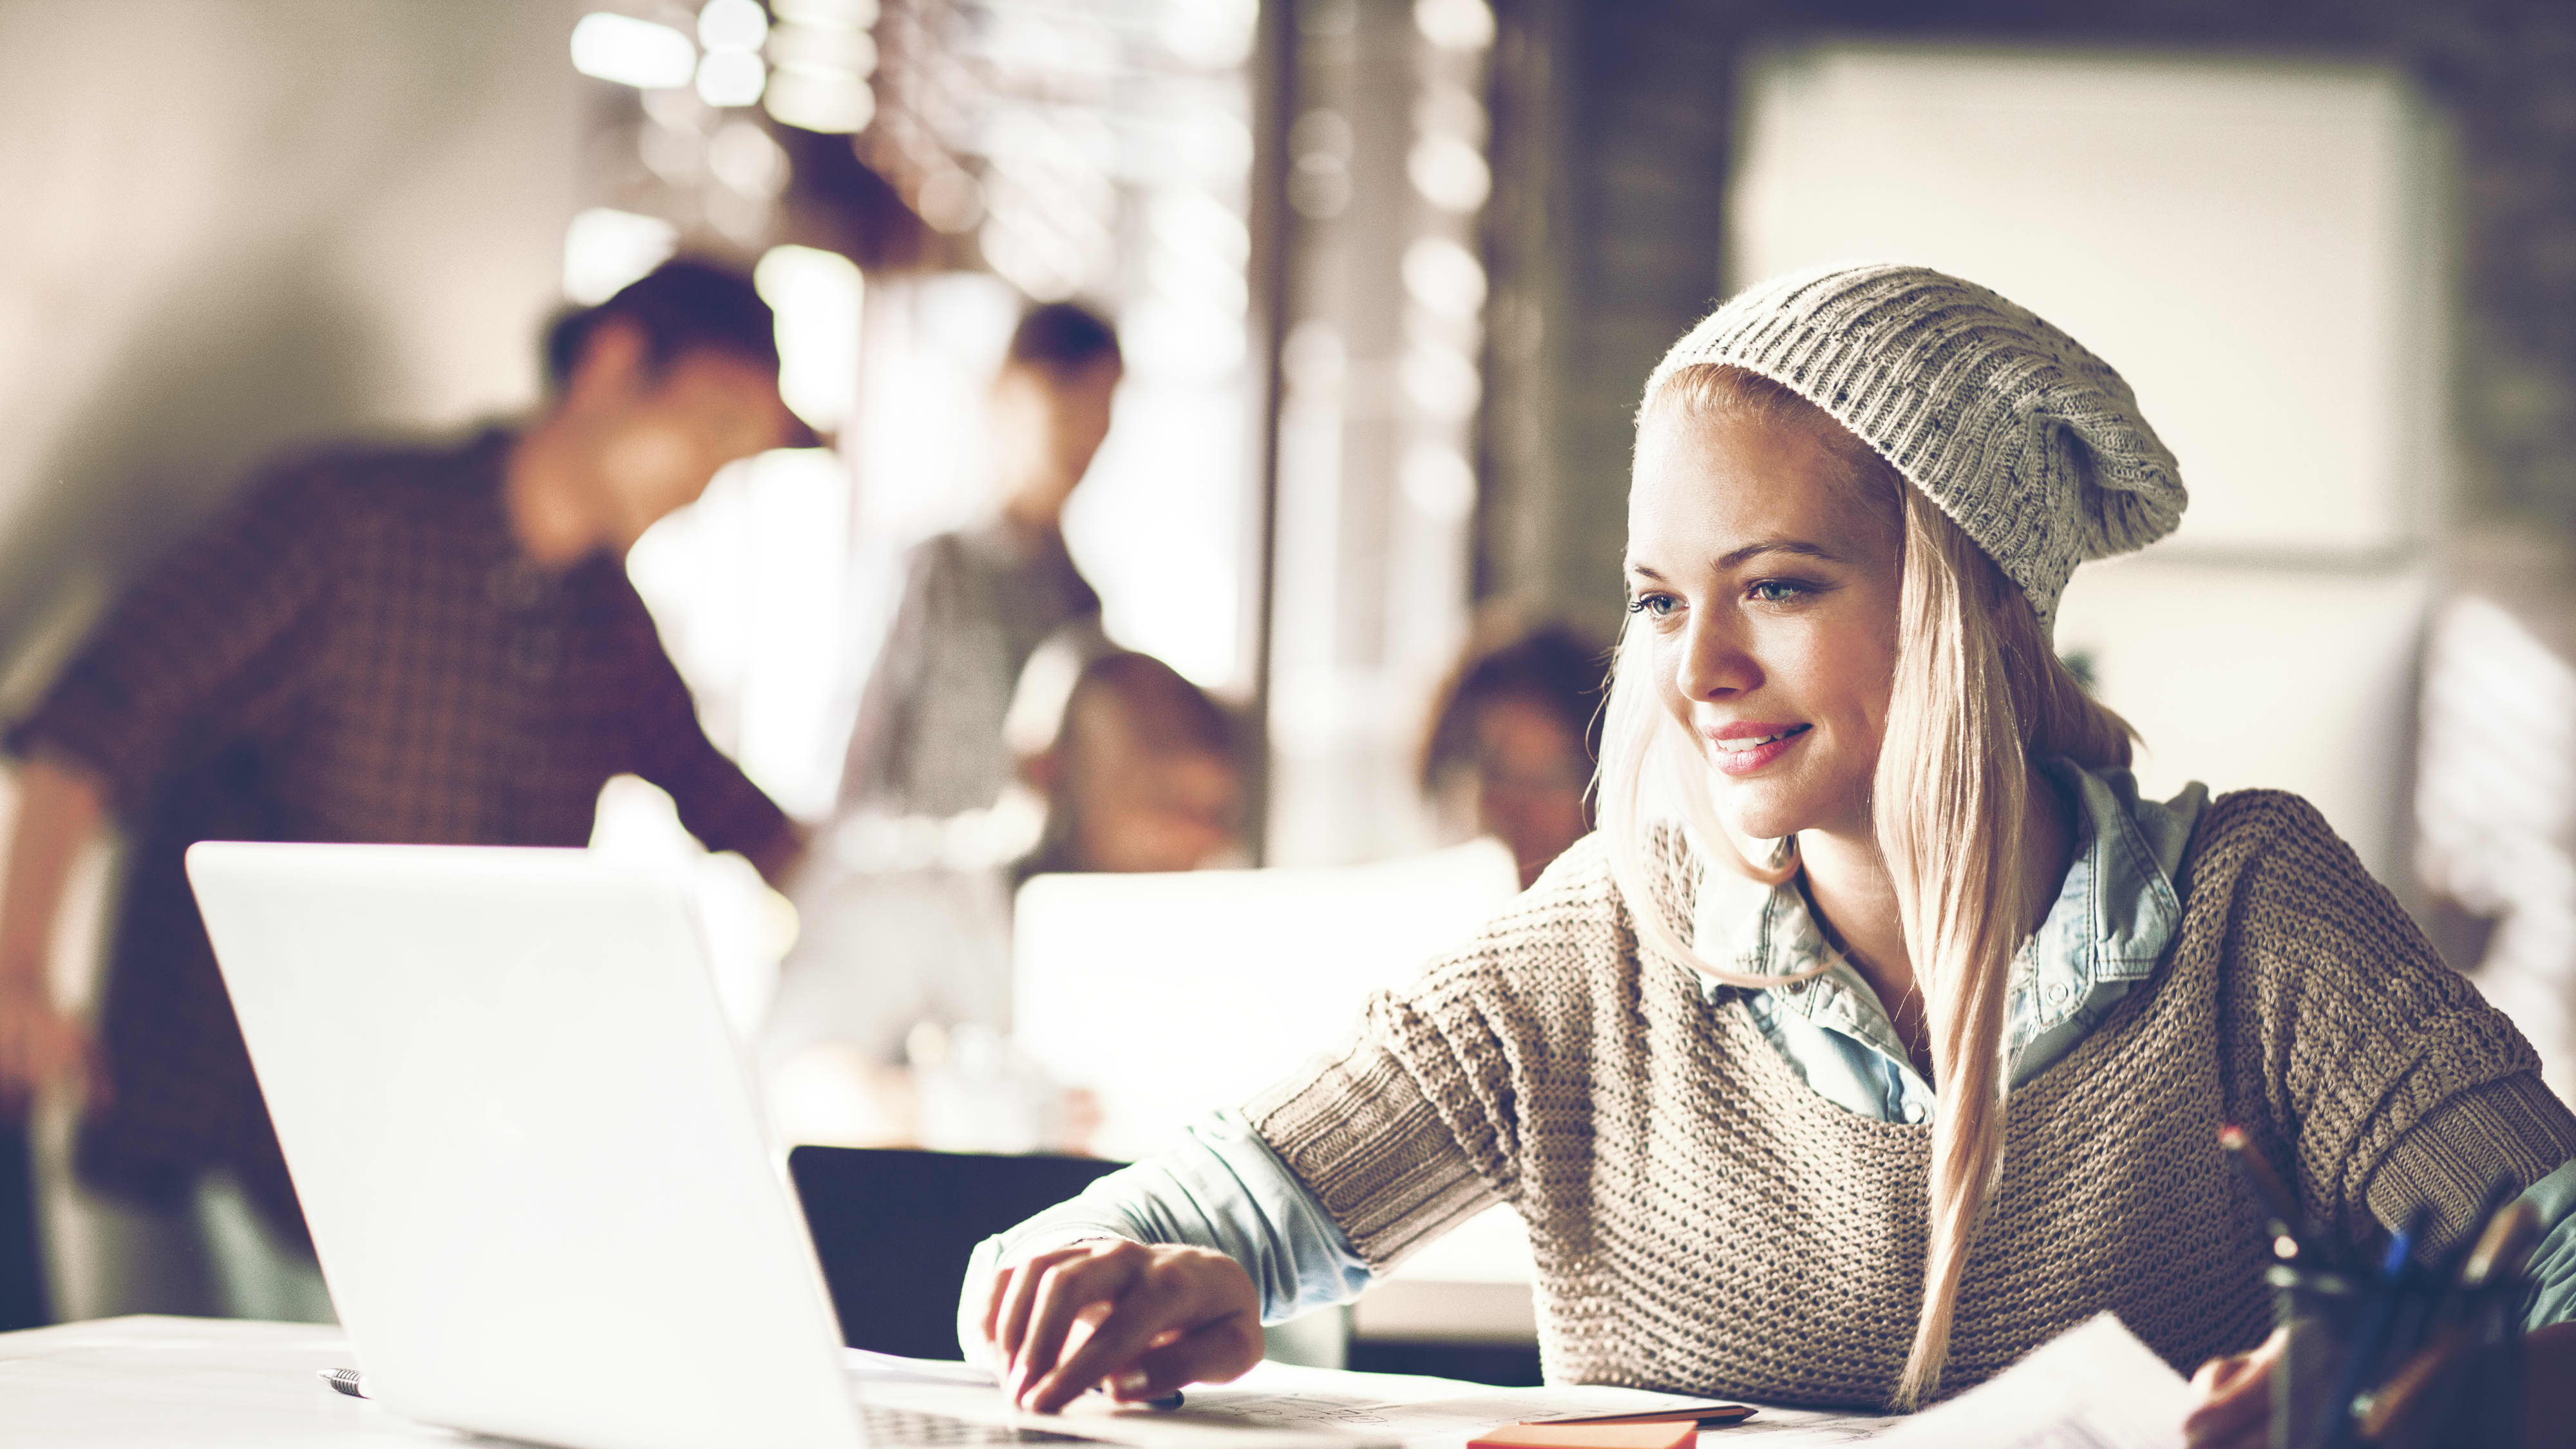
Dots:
{"x": 1742, "y": 755}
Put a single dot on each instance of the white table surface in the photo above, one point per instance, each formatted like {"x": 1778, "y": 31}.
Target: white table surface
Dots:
{"x": 182, "y": 1383}
{"x": 195, "y": 1383}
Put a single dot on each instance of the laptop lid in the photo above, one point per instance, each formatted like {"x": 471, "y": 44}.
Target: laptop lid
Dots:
{"x": 527, "y": 1145}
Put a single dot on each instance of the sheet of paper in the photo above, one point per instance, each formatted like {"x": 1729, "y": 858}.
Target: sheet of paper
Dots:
{"x": 2092, "y": 1387}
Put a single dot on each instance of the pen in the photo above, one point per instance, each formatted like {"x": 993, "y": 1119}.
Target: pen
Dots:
{"x": 1171, "y": 1400}
{"x": 2288, "y": 1223}
{"x": 2378, "y": 1311}
{"x": 2502, "y": 1247}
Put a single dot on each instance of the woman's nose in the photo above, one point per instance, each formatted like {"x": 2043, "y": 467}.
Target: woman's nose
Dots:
{"x": 1714, "y": 663}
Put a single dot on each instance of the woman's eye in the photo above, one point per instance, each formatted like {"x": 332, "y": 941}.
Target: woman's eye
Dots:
{"x": 1653, "y": 606}
{"x": 1776, "y": 591}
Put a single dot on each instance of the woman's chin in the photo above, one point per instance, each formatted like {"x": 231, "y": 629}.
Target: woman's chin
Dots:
{"x": 1759, "y": 813}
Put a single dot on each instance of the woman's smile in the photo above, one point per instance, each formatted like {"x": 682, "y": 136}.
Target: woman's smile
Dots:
{"x": 1743, "y": 749}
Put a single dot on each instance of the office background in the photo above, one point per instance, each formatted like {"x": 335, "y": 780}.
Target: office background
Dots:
{"x": 1389, "y": 274}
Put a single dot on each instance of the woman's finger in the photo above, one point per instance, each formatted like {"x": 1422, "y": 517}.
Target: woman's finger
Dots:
{"x": 1180, "y": 1296}
{"x": 994, "y": 1293}
{"x": 2219, "y": 1374}
{"x": 2231, "y": 1417}
{"x": 1014, "y": 1295}
{"x": 1100, "y": 1276}
{"x": 2236, "y": 1399}
{"x": 994, "y": 1297}
{"x": 1153, "y": 1305}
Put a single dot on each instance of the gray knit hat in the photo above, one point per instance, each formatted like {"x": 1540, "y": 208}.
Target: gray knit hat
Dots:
{"x": 2031, "y": 444}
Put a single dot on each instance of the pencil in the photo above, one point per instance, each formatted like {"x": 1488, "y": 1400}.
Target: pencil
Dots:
{"x": 2278, "y": 1200}
{"x": 2502, "y": 1247}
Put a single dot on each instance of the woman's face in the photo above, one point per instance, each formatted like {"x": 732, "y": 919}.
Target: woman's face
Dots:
{"x": 1765, "y": 576}
{"x": 1530, "y": 775}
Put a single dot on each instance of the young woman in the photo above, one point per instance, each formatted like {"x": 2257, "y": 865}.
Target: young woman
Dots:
{"x": 1880, "y": 1032}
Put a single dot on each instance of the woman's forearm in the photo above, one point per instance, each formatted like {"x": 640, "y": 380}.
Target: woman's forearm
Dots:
{"x": 1220, "y": 1187}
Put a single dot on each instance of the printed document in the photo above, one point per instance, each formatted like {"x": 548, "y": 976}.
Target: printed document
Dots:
{"x": 2092, "y": 1387}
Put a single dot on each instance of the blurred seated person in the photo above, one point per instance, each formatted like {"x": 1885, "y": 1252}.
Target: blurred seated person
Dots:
{"x": 977, "y": 603}
{"x": 1512, "y": 745}
{"x": 376, "y": 642}
{"x": 891, "y": 1019}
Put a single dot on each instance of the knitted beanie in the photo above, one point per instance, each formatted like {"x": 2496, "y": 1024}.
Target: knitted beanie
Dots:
{"x": 2029, "y": 443}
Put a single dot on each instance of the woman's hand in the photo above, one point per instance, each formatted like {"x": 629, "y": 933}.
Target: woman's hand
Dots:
{"x": 1151, "y": 1318}
{"x": 2235, "y": 1400}
{"x": 2235, "y": 1395}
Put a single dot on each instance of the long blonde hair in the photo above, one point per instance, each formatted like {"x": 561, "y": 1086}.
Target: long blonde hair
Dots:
{"x": 1977, "y": 692}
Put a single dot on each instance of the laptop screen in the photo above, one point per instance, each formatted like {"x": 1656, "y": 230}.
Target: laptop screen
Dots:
{"x": 894, "y": 1228}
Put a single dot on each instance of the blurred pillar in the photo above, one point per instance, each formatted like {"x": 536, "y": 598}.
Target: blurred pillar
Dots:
{"x": 1273, "y": 224}
{"x": 1383, "y": 305}
{"x": 1612, "y": 132}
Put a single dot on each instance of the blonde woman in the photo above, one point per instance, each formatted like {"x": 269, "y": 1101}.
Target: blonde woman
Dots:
{"x": 1881, "y": 1031}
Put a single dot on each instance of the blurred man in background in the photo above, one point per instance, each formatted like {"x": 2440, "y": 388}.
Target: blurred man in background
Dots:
{"x": 977, "y": 603}
{"x": 890, "y": 1020}
{"x": 432, "y": 644}
{"x": 1513, "y": 742}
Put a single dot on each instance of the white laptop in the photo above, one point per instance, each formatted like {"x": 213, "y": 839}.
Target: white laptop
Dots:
{"x": 531, "y": 1157}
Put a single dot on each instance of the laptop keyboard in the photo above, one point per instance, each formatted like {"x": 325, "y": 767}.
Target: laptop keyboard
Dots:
{"x": 906, "y": 1427}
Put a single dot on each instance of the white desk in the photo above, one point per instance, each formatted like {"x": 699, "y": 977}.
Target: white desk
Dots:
{"x": 209, "y": 1383}
{"x": 186, "y": 1383}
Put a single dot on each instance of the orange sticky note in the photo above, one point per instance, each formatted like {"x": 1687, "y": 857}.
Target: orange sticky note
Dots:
{"x": 1674, "y": 1435}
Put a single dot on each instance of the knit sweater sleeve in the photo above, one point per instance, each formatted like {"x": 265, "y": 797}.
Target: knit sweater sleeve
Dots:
{"x": 2359, "y": 1035}
{"x": 2513, "y": 1127}
{"x": 1414, "y": 1124}
{"x": 1380, "y": 1130}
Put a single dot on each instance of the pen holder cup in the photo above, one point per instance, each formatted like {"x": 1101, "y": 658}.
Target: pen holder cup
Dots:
{"x": 2316, "y": 1311}
{"x": 2478, "y": 1406}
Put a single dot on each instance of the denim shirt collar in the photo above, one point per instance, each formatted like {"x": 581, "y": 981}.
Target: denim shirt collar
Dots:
{"x": 2107, "y": 929}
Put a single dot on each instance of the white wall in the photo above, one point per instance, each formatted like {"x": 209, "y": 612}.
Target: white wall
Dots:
{"x": 235, "y": 223}
{"x": 2252, "y": 244}
{"x": 230, "y": 225}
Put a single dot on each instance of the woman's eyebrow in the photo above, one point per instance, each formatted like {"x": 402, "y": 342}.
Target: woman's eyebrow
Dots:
{"x": 1736, "y": 558}
{"x": 1797, "y": 546}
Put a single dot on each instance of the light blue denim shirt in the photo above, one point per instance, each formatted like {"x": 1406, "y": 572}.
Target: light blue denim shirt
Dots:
{"x": 1222, "y": 1187}
{"x": 2103, "y": 935}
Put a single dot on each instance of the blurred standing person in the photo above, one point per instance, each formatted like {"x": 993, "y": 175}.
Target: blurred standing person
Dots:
{"x": 904, "y": 968}
{"x": 1511, "y": 748}
{"x": 977, "y": 603}
{"x": 375, "y": 643}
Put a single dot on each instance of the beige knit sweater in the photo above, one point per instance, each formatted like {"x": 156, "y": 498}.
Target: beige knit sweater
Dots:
{"x": 1704, "y": 1222}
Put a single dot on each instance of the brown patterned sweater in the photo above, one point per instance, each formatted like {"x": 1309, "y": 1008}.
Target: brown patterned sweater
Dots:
{"x": 1704, "y": 1222}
